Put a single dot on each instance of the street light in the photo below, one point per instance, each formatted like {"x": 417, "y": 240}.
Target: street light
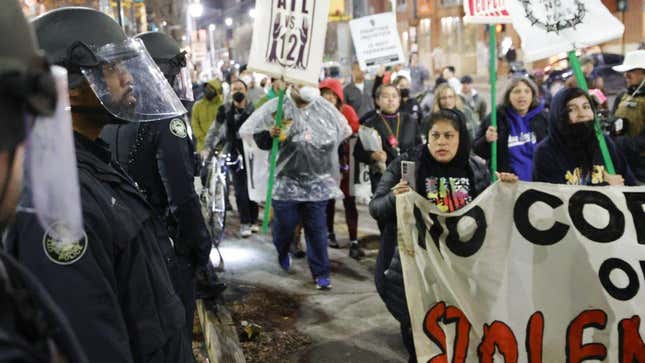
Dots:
{"x": 252, "y": 13}
{"x": 228, "y": 22}
{"x": 195, "y": 10}
{"x": 211, "y": 27}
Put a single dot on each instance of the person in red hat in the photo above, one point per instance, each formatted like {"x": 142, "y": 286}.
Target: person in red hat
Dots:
{"x": 332, "y": 90}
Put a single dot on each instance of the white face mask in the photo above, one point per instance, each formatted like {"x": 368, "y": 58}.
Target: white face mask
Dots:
{"x": 308, "y": 93}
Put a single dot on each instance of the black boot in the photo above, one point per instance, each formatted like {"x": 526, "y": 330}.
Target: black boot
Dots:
{"x": 355, "y": 251}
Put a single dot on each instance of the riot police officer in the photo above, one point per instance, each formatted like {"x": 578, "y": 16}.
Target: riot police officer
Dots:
{"x": 113, "y": 282}
{"x": 159, "y": 156}
{"x": 32, "y": 327}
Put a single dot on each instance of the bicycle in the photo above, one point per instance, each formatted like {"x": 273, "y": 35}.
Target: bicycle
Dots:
{"x": 213, "y": 196}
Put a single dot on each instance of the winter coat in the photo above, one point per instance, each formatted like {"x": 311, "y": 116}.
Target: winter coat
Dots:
{"x": 205, "y": 112}
{"x": 553, "y": 162}
{"x": 632, "y": 144}
{"x": 481, "y": 147}
{"x": 361, "y": 101}
{"x": 389, "y": 275}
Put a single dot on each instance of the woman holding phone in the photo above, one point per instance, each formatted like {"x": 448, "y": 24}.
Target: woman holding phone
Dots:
{"x": 446, "y": 173}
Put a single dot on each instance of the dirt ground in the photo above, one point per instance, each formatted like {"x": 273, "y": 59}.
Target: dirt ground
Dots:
{"x": 270, "y": 316}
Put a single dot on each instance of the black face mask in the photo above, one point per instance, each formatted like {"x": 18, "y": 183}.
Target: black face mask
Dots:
{"x": 209, "y": 94}
{"x": 580, "y": 130}
{"x": 238, "y": 97}
{"x": 405, "y": 92}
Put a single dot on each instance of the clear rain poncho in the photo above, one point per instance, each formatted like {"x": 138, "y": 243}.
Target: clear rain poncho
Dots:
{"x": 307, "y": 167}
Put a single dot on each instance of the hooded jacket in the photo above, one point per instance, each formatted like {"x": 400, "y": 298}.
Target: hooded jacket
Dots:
{"x": 630, "y": 106}
{"x": 481, "y": 147}
{"x": 347, "y": 110}
{"x": 556, "y": 159}
{"x": 205, "y": 112}
{"x": 388, "y": 274}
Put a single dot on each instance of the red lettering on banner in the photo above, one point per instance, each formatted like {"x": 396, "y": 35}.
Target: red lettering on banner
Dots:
{"x": 501, "y": 336}
{"x": 462, "y": 339}
{"x": 631, "y": 348}
{"x": 434, "y": 332}
{"x": 534, "y": 337}
{"x": 578, "y": 352}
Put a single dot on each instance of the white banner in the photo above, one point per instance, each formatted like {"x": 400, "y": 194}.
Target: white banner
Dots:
{"x": 486, "y": 12}
{"x": 257, "y": 170}
{"x": 376, "y": 40}
{"x": 528, "y": 272}
{"x": 289, "y": 39}
{"x": 550, "y": 27}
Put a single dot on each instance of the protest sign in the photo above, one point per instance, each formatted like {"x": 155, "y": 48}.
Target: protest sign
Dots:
{"x": 550, "y": 27}
{"x": 376, "y": 40}
{"x": 486, "y": 12}
{"x": 256, "y": 163}
{"x": 289, "y": 39}
{"x": 528, "y": 272}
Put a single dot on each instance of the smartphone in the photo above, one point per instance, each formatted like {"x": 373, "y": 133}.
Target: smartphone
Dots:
{"x": 408, "y": 173}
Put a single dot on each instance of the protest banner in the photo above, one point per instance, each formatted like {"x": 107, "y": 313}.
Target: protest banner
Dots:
{"x": 528, "y": 272}
{"x": 256, "y": 162}
{"x": 288, "y": 43}
{"x": 376, "y": 40}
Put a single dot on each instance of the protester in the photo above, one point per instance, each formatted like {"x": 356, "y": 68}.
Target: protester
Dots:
{"x": 397, "y": 130}
{"x": 114, "y": 282}
{"x": 471, "y": 98}
{"x": 205, "y": 111}
{"x": 448, "y": 73}
{"x": 409, "y": 104}
{"x": 231, "y": 116}
{"x": 445, "y": 97}
{"x": 332, "y": 91}
{"x": 307, "y": 163}
{"x": 419, "y": 74}
{"x": 358, "y": 92}
{"x": 521, "y": 124}
{"x": 445, "y": 173}
{"x": 571, "y": 153}
{"x": 545, "y": 96}
{"x": 32, "y": 325}
{"x": 630, "y": 108}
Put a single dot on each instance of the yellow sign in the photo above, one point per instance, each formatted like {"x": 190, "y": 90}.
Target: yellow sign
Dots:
{"x": 337, "y": 11}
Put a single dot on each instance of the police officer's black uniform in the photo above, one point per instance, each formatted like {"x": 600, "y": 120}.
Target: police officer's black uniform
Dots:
{"x": 32, "y": 327}
{"x": 159, "y": 157}
{"x": 114, "y": 283}
{"x": 118, "y": 295}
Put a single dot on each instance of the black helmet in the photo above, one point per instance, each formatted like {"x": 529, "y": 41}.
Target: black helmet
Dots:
{"x": 91, "y": 45}
{"x": 171, "y": 60}
{"x": 67, "y": 34}
{"x": 25, "y": 81}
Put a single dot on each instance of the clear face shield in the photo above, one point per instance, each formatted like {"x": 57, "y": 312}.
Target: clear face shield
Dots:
{"x": 51, "y": 187}
{"x": 183, "y": 85}
{"x": 129, "y": 84}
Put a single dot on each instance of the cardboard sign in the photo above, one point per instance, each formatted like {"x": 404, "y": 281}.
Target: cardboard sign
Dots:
{"x": 289, "y": 39}
{"x": 376, "y": 40}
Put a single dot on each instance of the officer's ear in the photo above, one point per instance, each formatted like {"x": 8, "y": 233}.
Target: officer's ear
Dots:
{"x": 83, "y": 95}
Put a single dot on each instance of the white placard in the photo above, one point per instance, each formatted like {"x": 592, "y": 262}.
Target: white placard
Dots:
{"x": 486, "y": 12}
{"x": 376, "y": 40}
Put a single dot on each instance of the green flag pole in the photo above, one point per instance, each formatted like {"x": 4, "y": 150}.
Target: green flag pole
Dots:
{"x": 492, "y": 45}
{"x": 582, "y": 83}
{"x": 274, "y": 156}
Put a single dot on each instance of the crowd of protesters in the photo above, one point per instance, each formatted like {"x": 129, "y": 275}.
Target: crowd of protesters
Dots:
{"x": 133, "y": 295}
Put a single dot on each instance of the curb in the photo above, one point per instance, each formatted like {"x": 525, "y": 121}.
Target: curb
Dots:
{"x": 220, "y": 336}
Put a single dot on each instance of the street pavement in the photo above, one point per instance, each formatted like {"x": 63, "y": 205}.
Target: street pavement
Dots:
{"x": 348, "y": 323}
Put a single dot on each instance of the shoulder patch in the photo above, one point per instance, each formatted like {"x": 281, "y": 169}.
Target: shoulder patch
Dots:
{"x": 178, "y": 128}
{"x": 63, "y": 253}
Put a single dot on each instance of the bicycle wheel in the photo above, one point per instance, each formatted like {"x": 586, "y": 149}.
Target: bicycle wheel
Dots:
{"x": 217, "y": 211}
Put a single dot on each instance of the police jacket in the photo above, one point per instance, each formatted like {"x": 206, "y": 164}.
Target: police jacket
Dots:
{"x": 159, "y": 157}
{"x": 32, "y": 327}
{"x": 113, "y": 284}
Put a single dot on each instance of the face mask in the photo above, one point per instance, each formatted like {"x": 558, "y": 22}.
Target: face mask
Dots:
{"x": 308, "y": 94}
{"x": 405, "y": 92}
{"x": 209, "y": 94}
{"x": 238, "y": 97}
{"x": 580, "y": 130}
